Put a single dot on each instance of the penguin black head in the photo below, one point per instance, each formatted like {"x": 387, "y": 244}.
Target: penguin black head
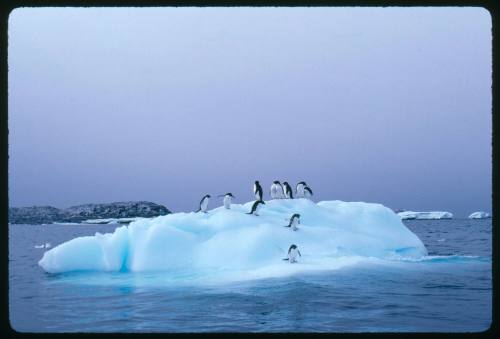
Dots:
{"x": 207, "y": 196}
{"x": 276, "y": 182}
{"x": 293, "y": 246}
{"x": 285, "y": 183}
{"x": 303, "y": 183}
{"x": 256, "y": 182}
{"x": 230, "y": 194}
{"x": 296, "y": 215}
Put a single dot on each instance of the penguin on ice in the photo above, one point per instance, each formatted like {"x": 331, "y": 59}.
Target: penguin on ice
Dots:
{"x": 287, "y": 190}
{"x": 308, "y": 192}
{"x": 281, "y": 191}
{"x": 299, "y": 189}
{"x": 256, "y": 207}
{"x": 257, "y": 190}
{"x": 292, "y": 254}
{"x": 276, "y": 190}
{"x": 294, "y": 221}
{"x": 228, "y": 198}
{"x": 204, "y": 203}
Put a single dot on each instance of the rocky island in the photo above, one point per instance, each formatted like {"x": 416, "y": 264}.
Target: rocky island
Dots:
{"x": 81, "y": 213}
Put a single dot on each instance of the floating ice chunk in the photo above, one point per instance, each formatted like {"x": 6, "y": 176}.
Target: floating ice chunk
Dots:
{"x": 111, "y": 221}
{"x": 46, "y": 245}
{"x": 425, "y": 215}
{"x": 64, "y": 223}
{"x": 479, "y": 215}
{"x": 230, "y": 239}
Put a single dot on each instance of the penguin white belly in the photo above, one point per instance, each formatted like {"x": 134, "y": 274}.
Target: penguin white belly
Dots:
{"x": 294, "y": 224}
{"x": 300, "y": 191}
{"x": 227, "y": 201}
{"x": 292, "y": 256}
{"x": 204, "y": 205}
{"x": 274, "y": 191}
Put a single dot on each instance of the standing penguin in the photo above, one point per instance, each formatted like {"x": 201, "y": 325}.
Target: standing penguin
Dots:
{"x": 299, "y": 189}
{"x": 275, "y": 190}
{"x": 228, "y": 198}
{"x": 292, "y": 254}
{"x": 308, "y": 192}
{"x": 288, "y": 190}
{"x": 256, "y": 207}
{"x": 281, "y": 191}
{"x": 204, "y": 203}
{"x": 294, "y": 221}
{"x": 257, "y": 190}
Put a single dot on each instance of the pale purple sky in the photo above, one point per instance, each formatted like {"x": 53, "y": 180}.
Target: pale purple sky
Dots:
{"x": 387, "y": 105}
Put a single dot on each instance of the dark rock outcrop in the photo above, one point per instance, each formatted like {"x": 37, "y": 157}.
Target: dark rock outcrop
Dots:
{"x": 34, "y": 215}
{"x": 49, "y": 214}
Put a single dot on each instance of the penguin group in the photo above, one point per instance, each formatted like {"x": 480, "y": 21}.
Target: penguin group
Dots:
{"x": 277, "y": 191}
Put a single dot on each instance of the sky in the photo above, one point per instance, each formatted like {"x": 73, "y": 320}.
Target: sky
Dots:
{"x": 384, "y": 105}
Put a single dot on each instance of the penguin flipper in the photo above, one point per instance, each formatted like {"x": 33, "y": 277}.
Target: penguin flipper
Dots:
{"x": 286, "y": 259}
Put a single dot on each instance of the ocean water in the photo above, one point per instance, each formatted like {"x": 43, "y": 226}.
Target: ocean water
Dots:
{"x": 449, "y": 291}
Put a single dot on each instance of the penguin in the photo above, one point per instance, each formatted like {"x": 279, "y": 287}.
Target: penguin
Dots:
{"x": 288, "y": 190}
{"x": 307, "y": 192}
{"x": 299, "y": 189}
{"x": 292, "y": 254}
{"x": 204, "y": 203}
{"x": 294, "y": 221}
{"x": 228, "y": 197}
{"x": 256, "y": 206}
{"x": 275, "y": 194}
{"x": 281, "y": 191}
{"x": 257, "y": 190}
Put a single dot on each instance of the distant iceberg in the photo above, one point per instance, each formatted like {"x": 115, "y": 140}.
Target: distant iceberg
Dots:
{"x": 479, "y": 215}
{"x": 425, "y": 215}
{"x": 111, "y": 221}
{"x": 46, "y": 245}
{"x": 229, "y": 239}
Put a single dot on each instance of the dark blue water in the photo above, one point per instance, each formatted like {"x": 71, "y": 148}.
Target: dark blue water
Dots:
{"x": 448, "y": 292}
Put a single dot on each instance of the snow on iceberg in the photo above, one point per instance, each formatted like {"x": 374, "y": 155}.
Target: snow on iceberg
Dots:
{"x": 225, "y": 239}
{"x": 425, "y": 215}
{"x": 479, "y": 215}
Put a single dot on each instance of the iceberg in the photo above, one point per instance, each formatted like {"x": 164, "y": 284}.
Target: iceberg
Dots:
{"x": 231, "y": 240}
{"x": 425, "y": 215}
{"x": 111, "y": 220}
{"x": 479, "y": 215}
